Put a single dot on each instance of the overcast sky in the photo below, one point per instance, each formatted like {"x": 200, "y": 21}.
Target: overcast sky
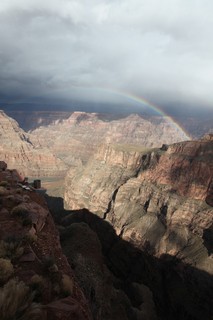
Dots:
{"x": 161, "y": 50}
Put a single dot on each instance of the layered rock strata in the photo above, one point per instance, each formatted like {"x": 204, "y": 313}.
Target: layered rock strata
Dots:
{"x": 75, "y": 139}
{"x": 17, "y": 149}
{"x": 158, "y": 200}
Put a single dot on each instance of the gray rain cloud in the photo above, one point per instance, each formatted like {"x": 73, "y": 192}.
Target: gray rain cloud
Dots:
{"x": 161, "y": 50}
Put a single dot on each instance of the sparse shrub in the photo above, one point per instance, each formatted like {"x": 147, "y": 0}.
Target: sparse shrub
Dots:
{"x": 20, "y": 211}
{"x": 37, "y": 280}
{"x": 14, "y": 200}
{"x": 27, "y": 222}
{"x": 67, "y": 285}
{"x": 11, "y": 198}
{"x": 26, "y": 198}
{"x": 6, "y": 270}
{"x": 11, "y": 247}
{"x": 16, "y": 302}
{"x": 37, "y": 284}
{"x": 49, "y": 264}
{"x": 30, "y": 238}
{"x": 3, "y": 183}
{"x": 19, "y": 191}
{"x": 3, "y": 191}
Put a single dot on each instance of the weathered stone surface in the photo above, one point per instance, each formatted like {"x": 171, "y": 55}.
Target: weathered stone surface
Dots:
{"x": 18, "y": 151}
{"x": 93, "y": 186}
{"x": 77, "y": 138}
{"x": 29, "y": 247}
{"x": 83, "y": 249}
{"x": 159, "y": 201}
{"x": 28, "y": 257}
{"x": 65, "y": 309}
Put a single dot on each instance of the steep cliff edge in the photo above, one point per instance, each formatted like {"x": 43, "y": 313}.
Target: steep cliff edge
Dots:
{"x": 36, "y": 281}
{"x": 158, "y": 200}
{"x": 18, "y": 150}
{"x": 95, "y": 185}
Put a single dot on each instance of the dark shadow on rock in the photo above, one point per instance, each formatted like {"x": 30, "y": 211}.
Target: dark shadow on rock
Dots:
{"x": 179, "y": 291}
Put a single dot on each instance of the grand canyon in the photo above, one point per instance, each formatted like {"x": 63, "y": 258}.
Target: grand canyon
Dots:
{"x": 106, "y": 160}
{"x": 125, "y": 228}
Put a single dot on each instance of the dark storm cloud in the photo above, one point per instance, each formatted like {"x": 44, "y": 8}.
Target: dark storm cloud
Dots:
{"x": 58, "y": 48}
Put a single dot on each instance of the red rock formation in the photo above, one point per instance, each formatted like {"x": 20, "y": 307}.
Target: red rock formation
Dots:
{"x": 159, "y": 200}
{"x": 187, "y": 167}
{"x": 68, "y": 138}
{"x": 17, "y": 150}
{"x": 38, "y": 240}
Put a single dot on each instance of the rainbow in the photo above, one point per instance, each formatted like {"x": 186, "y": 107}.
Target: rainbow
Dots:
{"x": 135, "y": 98}
{"x": 144, "y": 102}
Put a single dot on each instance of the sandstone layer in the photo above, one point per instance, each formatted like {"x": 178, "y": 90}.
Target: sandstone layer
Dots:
{"x": 160, "y": 200}
{"x": 30, "y": 118}
{"x": 75, "y": 139}
{"x": 18, "y": 150}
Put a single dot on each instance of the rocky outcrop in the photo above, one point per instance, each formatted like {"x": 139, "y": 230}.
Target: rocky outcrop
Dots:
{"x": 77, "y": 138}
{"x": 17, "y": 150}
{"x": 158, "y": 200}
{"x": 84, "y": 252}
{"x": 95, "y": 185}
{"x": 30, "y": 245}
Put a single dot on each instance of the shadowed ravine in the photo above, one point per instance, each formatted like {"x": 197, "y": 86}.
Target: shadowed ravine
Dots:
{"x": 122, "y": 282}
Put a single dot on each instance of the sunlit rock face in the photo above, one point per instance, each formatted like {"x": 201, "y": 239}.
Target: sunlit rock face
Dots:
{"x": 18, "y": 150}
{"x": 77, "y": 138}
{"x": 160, "y": 200}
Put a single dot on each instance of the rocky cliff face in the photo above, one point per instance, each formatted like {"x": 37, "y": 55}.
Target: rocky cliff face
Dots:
{"x": 159, "y": 200}
{"x": 95, "y": 185}
{"x": 36, "y": 281}
{"x": 18, "y": 150}
{"x": 77, "y": 138}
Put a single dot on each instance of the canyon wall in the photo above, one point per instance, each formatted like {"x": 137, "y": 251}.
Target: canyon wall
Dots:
{"x": 75, "y": 139}
{"x": 18, "y": 150}
{"x": 31, "y": 117}
{"x": 160, "y": 200}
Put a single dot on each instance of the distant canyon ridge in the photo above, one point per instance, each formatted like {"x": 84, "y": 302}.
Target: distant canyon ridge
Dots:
{"x": 63, "y": 142}
{"x": 196, "y": 125}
